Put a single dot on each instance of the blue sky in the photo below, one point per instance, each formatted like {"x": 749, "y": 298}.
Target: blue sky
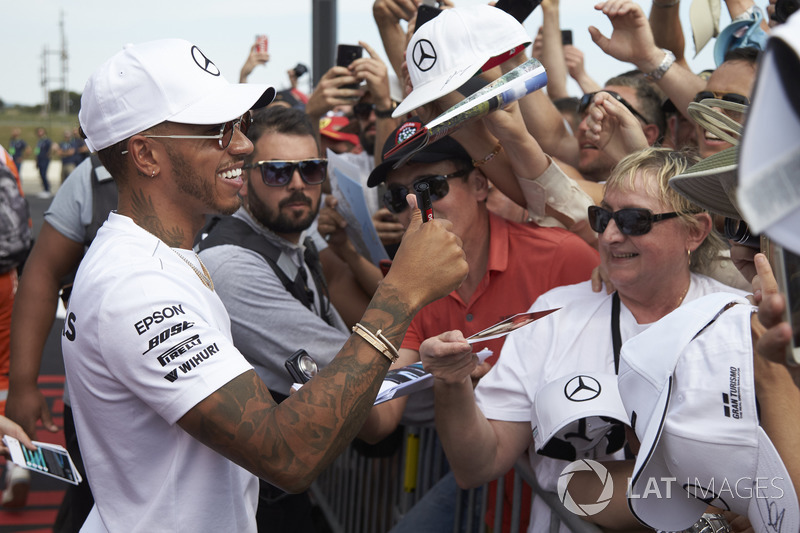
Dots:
{"x": 224, "y": 30}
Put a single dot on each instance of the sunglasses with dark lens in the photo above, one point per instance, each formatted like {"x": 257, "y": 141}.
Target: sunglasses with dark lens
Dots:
{"x": 630, "y": 221}
{"x": 225, "y": 135}
{"x": 727, "y": 97}
{"x": 279, "y": 173}
{"x": 395, "y": 196}
{"x": 587, "y": 99}
{"x": 362, "y": 110}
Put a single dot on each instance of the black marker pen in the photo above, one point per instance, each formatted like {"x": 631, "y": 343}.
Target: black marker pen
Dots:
{"x": 424, "y": 200}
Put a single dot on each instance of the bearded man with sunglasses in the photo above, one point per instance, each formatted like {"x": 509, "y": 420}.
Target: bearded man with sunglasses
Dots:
{"x": 264, "y": 243}
{"x": 175, "y": 425}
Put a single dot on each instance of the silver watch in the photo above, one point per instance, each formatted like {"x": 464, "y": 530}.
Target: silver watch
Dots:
{"x": 658, "y": 73}
{"x": 709, "y": 523}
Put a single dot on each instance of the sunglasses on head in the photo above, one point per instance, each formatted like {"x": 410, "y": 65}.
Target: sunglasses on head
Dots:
{"x": 395, "y": 196}
{"x": 630, "y": 221}
{"x": 587, "y": 99}
{"x": 279, "y": 173}
{"x": 727, "y": 97}
{"x": 225, "y": 135}
{"x": 362, "y": 110}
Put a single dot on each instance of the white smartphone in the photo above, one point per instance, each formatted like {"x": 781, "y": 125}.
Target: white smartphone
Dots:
{"x": 48, "y": 459}
{"x": 786, "y": 267}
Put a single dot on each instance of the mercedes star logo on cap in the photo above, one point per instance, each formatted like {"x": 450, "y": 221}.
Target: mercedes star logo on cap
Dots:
{"x": 582, "y": 389}
{"x": 203, "y": 62}
{"x": 424, "y": 55}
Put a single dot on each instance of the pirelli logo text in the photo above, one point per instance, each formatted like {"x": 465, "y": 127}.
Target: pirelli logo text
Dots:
{"x": 179, "y": 349}
{"x": 192, "y": 363}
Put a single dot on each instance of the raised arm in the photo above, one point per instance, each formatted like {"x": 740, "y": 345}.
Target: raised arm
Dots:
{"x": 53, "y": 257}
{"x": 553, "y": 51}
{"x": 632, "y": 41}
{"x": 290, "y": 444}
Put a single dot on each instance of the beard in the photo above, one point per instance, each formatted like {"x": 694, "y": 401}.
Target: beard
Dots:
{"x": 367, "y": 142}
{"x": 190, "y": 183}
{"x": 277, "y": 221}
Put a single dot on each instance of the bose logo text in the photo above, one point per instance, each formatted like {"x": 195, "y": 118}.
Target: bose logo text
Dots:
{"x": 166, "y": 334}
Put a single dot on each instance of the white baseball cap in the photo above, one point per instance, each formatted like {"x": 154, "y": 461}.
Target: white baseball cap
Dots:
{"x": 579, "y": 416}
{"x": 769, "y": 154}
{"x": 149, "y": 83}
{"x": 448, "y": 50}
{"x": 702, "y": 445}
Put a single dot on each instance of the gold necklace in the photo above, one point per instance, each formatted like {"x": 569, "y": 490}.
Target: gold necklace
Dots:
{"x": 204, "y": 276}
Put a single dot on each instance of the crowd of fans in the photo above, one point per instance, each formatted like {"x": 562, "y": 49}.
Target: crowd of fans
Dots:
{"x": 617, "y": 208}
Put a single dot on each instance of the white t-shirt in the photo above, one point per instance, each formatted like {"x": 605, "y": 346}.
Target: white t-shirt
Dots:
{"x": 575, "y": 338}
{"x": 145, "y": 341}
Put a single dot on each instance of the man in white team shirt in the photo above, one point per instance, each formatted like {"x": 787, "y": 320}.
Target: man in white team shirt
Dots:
{"x": 173, "y": 422}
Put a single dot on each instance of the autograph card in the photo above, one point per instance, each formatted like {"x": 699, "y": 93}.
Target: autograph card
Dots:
{"x": 508, "y": 325}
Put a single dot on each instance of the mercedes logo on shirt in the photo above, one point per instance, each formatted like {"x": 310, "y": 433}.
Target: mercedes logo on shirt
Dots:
{"x": 424, "y": 55}
{"x": 582, "y": 389}
{"x": 203, "y": 62}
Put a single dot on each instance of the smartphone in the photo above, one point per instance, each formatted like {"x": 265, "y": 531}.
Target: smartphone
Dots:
{"x": 519, "y": 9}
{"x": 48, "y": 459}
{"x": 261, "y": 43}
{"x": 786, "y": 267}
{"x": 566, "y": 36}
{"x": 425, "y": 13}
{"x": 346, "y": 54}
{"x": 301, "y": 366}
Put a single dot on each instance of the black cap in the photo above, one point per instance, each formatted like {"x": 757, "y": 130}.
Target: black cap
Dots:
{"x": 443, "y": 149}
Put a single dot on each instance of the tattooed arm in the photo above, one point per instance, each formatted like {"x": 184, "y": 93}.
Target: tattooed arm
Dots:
{"x": 291, "y": 443}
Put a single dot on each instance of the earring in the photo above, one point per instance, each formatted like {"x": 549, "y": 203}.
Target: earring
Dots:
{"x": 153, "y": 175}
{"x": 689, "y": 257}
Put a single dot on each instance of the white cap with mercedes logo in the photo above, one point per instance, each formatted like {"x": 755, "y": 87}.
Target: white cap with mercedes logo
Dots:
{"x": 453, "y": 47}
{"x": 149, "y": 83}
{"x": 579, "y": 416}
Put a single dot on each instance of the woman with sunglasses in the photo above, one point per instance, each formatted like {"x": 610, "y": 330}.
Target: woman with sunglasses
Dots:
{"x": 652, "y": 241}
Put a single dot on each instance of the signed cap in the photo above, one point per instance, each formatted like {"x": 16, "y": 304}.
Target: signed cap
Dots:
{"x": 687, "y": 385}
{"x": 149, "y": 83}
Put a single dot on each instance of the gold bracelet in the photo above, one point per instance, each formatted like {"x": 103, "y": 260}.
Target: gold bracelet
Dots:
{"x": 480, "y": 162}
{"x": 378, "y": 341}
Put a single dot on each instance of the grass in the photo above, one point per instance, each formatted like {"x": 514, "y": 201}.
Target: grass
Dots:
{"x": 29, "y": 121}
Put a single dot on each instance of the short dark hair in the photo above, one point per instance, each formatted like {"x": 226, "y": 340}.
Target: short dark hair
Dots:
{"x": 114, "y": 159}
{"x": 748, "y": 54}
{"x": 649, "y": 98}
{"x": 278, "y": 119}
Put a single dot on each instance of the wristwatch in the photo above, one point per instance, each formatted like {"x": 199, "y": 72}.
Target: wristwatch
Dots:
{"x": 385, "y": 113}
{"x": 658, "y": 73}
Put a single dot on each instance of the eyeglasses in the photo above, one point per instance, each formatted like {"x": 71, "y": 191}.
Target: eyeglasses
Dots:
{"x": 279, "y": 173}
{"x": 587, "y": 99}
{"x": 225, "y": 135}
{"x": 727, "y": 97}
{"x": 362, "y": 110}
{"x": 630, "y": 221}
{"x": 395, "y": 196}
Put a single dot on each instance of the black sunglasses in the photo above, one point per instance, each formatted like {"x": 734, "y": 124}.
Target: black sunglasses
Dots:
{"x": 279, "y": 173}
{"x": 727, "y": 97}
{"x": 587, "y": 99}
{"x": 362, "y": 110}
{"x": 395, "y": 196}
{"x": 631, "y": 221}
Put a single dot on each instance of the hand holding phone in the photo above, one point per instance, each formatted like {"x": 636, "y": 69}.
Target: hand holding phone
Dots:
{"x": 345, "y": 55}
{"x": 519, "y": 9}
{"x": 566, "y": 37}
{"x": 48, "y": 459}
{"x": 425, "y": 13}
{"x": 786, "y": 268}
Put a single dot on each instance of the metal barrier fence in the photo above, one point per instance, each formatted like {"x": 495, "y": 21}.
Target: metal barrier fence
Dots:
{"x": 359, "y": 494}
